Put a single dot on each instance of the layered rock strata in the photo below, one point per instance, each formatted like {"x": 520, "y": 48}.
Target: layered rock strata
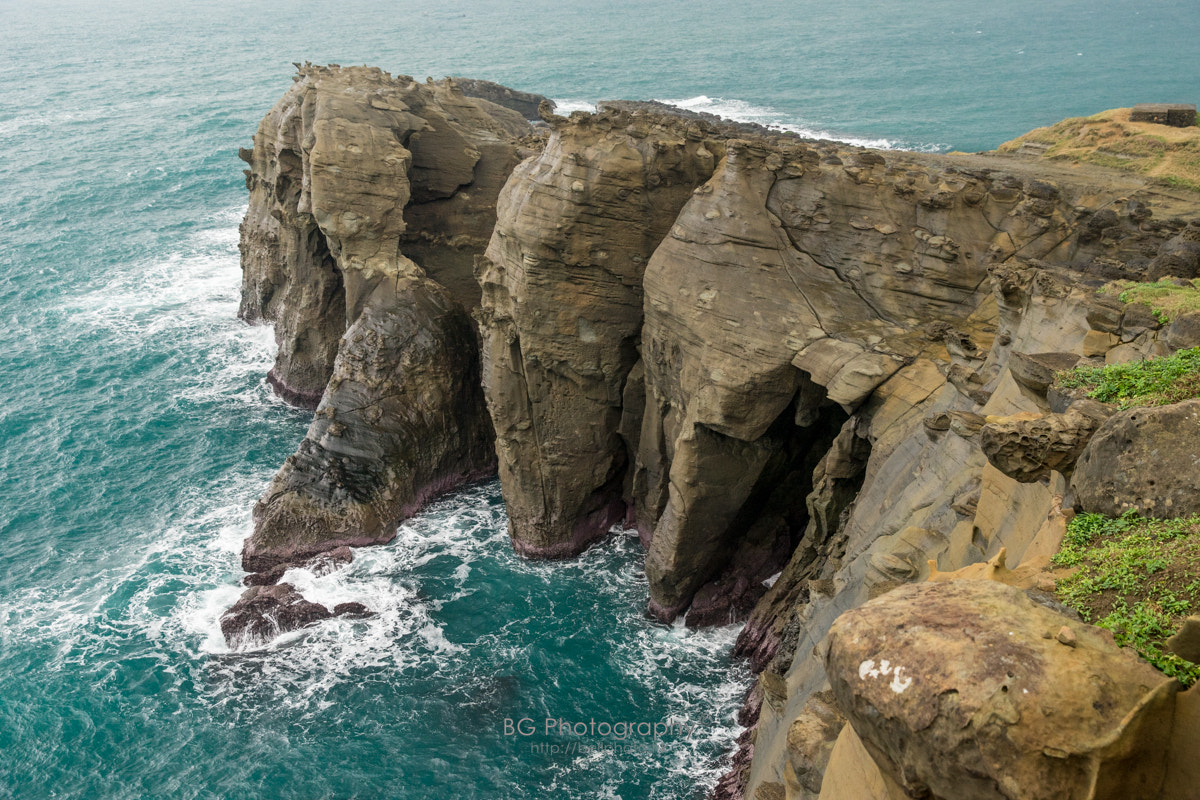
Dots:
{"x": 807, "y": 373}
{"x": 370, "y": 197}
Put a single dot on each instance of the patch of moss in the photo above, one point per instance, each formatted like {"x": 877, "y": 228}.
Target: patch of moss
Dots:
{"x": 1153, "y": 382}
{"x": 1136, "y": 577}
{"x": 1166, "y": 298}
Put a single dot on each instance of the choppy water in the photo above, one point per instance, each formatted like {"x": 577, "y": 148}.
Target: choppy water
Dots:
{"x": 137, "y": 429}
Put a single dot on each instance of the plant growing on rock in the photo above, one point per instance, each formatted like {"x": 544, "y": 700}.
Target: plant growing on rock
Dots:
{"x": 1153, "y": 382}
{"x": 1167, "y": 298}
{"x": 1135, "y": 577}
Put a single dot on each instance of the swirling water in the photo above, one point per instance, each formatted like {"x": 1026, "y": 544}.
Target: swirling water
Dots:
{"x": 138, "y": 430}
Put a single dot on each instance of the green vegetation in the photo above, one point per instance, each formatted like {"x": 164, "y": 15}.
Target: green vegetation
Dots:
{"x": 1137, "y": 578}
{"x": 1167, "y": 298}
{"x": 1182, "y": 183}
{"x": 1110, "y": 139}
{"x": 1153, "y": 382}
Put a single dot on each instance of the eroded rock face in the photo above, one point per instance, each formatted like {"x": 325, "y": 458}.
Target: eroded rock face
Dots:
{"x": 963, "y": 690}
{"x": 756, "y": 349}
{"x": 349, "y": 163}
{"x": 1144, "y": 459}
{"x": 562, "y": 315}
{"x": 370, "y": 197}
{"x": 400, "y": 423}
{"x": 1030, "y": 448}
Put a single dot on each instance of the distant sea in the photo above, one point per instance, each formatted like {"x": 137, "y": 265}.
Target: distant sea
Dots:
{"x": 137, "y": 428}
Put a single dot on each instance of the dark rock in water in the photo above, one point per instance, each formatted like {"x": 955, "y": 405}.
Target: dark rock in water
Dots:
{"x": 267, "y": 577}
{"x": 524, "y": 103}
{"x": 1142, "y": 458}
{"x": 264, "y": 612}
{"x": 323, "y": 564}
{"x": 352, "y": 609}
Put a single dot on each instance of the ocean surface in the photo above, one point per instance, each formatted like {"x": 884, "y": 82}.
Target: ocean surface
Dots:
{"x": 138, "y": 430}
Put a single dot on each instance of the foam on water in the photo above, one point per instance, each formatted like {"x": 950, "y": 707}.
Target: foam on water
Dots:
{"x": 741, "y": 111}
{"x": 139, "y": 431}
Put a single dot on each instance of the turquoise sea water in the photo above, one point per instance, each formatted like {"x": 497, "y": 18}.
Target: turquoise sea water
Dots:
{"x": 137, "y": 428}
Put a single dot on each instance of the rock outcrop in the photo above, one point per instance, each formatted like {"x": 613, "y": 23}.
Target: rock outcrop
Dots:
{"x": 970, "y": 690}
{"x": 1143, "y": 459}
{"x": 562, "y": 316}
{"x": 524, "y": 103}
{"x": 370, "y": 197}
{"x": 264, "y": 612}
{"x": 803, "y": 371}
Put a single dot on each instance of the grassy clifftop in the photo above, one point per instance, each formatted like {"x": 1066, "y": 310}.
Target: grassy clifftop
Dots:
{"x": 1109, "y": 139}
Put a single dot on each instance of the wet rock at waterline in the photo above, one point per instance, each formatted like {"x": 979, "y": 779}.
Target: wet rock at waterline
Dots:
{"x": 265, "y": 612}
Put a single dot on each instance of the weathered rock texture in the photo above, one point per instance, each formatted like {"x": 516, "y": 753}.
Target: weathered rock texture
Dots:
{"x": 970, "y": 690}
{"x": 264, "y": 612}
{"x": 802, "y": 370}
{"x": 562, "y": 316}
{"x": 524, "y": 103}
{"x": 1147, "y": 459}
{"x": 370, "y": 197}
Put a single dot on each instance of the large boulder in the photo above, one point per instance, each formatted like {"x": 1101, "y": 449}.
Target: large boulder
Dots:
{"x": 970, "y": 690}
{"x": 1143, "y": 458}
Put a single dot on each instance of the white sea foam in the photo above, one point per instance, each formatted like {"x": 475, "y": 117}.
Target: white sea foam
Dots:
{"x": 742, "y": 111}
{"x": 565, "y": 107}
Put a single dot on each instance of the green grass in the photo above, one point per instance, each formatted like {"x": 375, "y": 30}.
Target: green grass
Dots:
{"x": 1155, "y": 381}
{"x": 1181, "y": 183}
{"x": 1167, "y": 299}
{"x": 1136, "y": 577}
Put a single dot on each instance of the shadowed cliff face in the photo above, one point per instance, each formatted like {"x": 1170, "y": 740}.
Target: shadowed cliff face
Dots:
{"x": 370, "y": 198}
{"x": 562, "y": 315}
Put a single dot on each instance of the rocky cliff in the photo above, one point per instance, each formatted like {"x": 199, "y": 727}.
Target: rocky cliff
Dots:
{"x": 370, "y": 197}
{"x": 806, "y": 373}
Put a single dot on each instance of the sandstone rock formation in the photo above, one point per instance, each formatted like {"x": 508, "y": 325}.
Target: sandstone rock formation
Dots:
{"x": 1028, "y": 447}
{"x": 562, "y": 314}
{"x": 1143, "y": 459}
{"x": 802, "y": 370}
{"x": 963, "y": 690}
{"x": 370, "y": 197}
